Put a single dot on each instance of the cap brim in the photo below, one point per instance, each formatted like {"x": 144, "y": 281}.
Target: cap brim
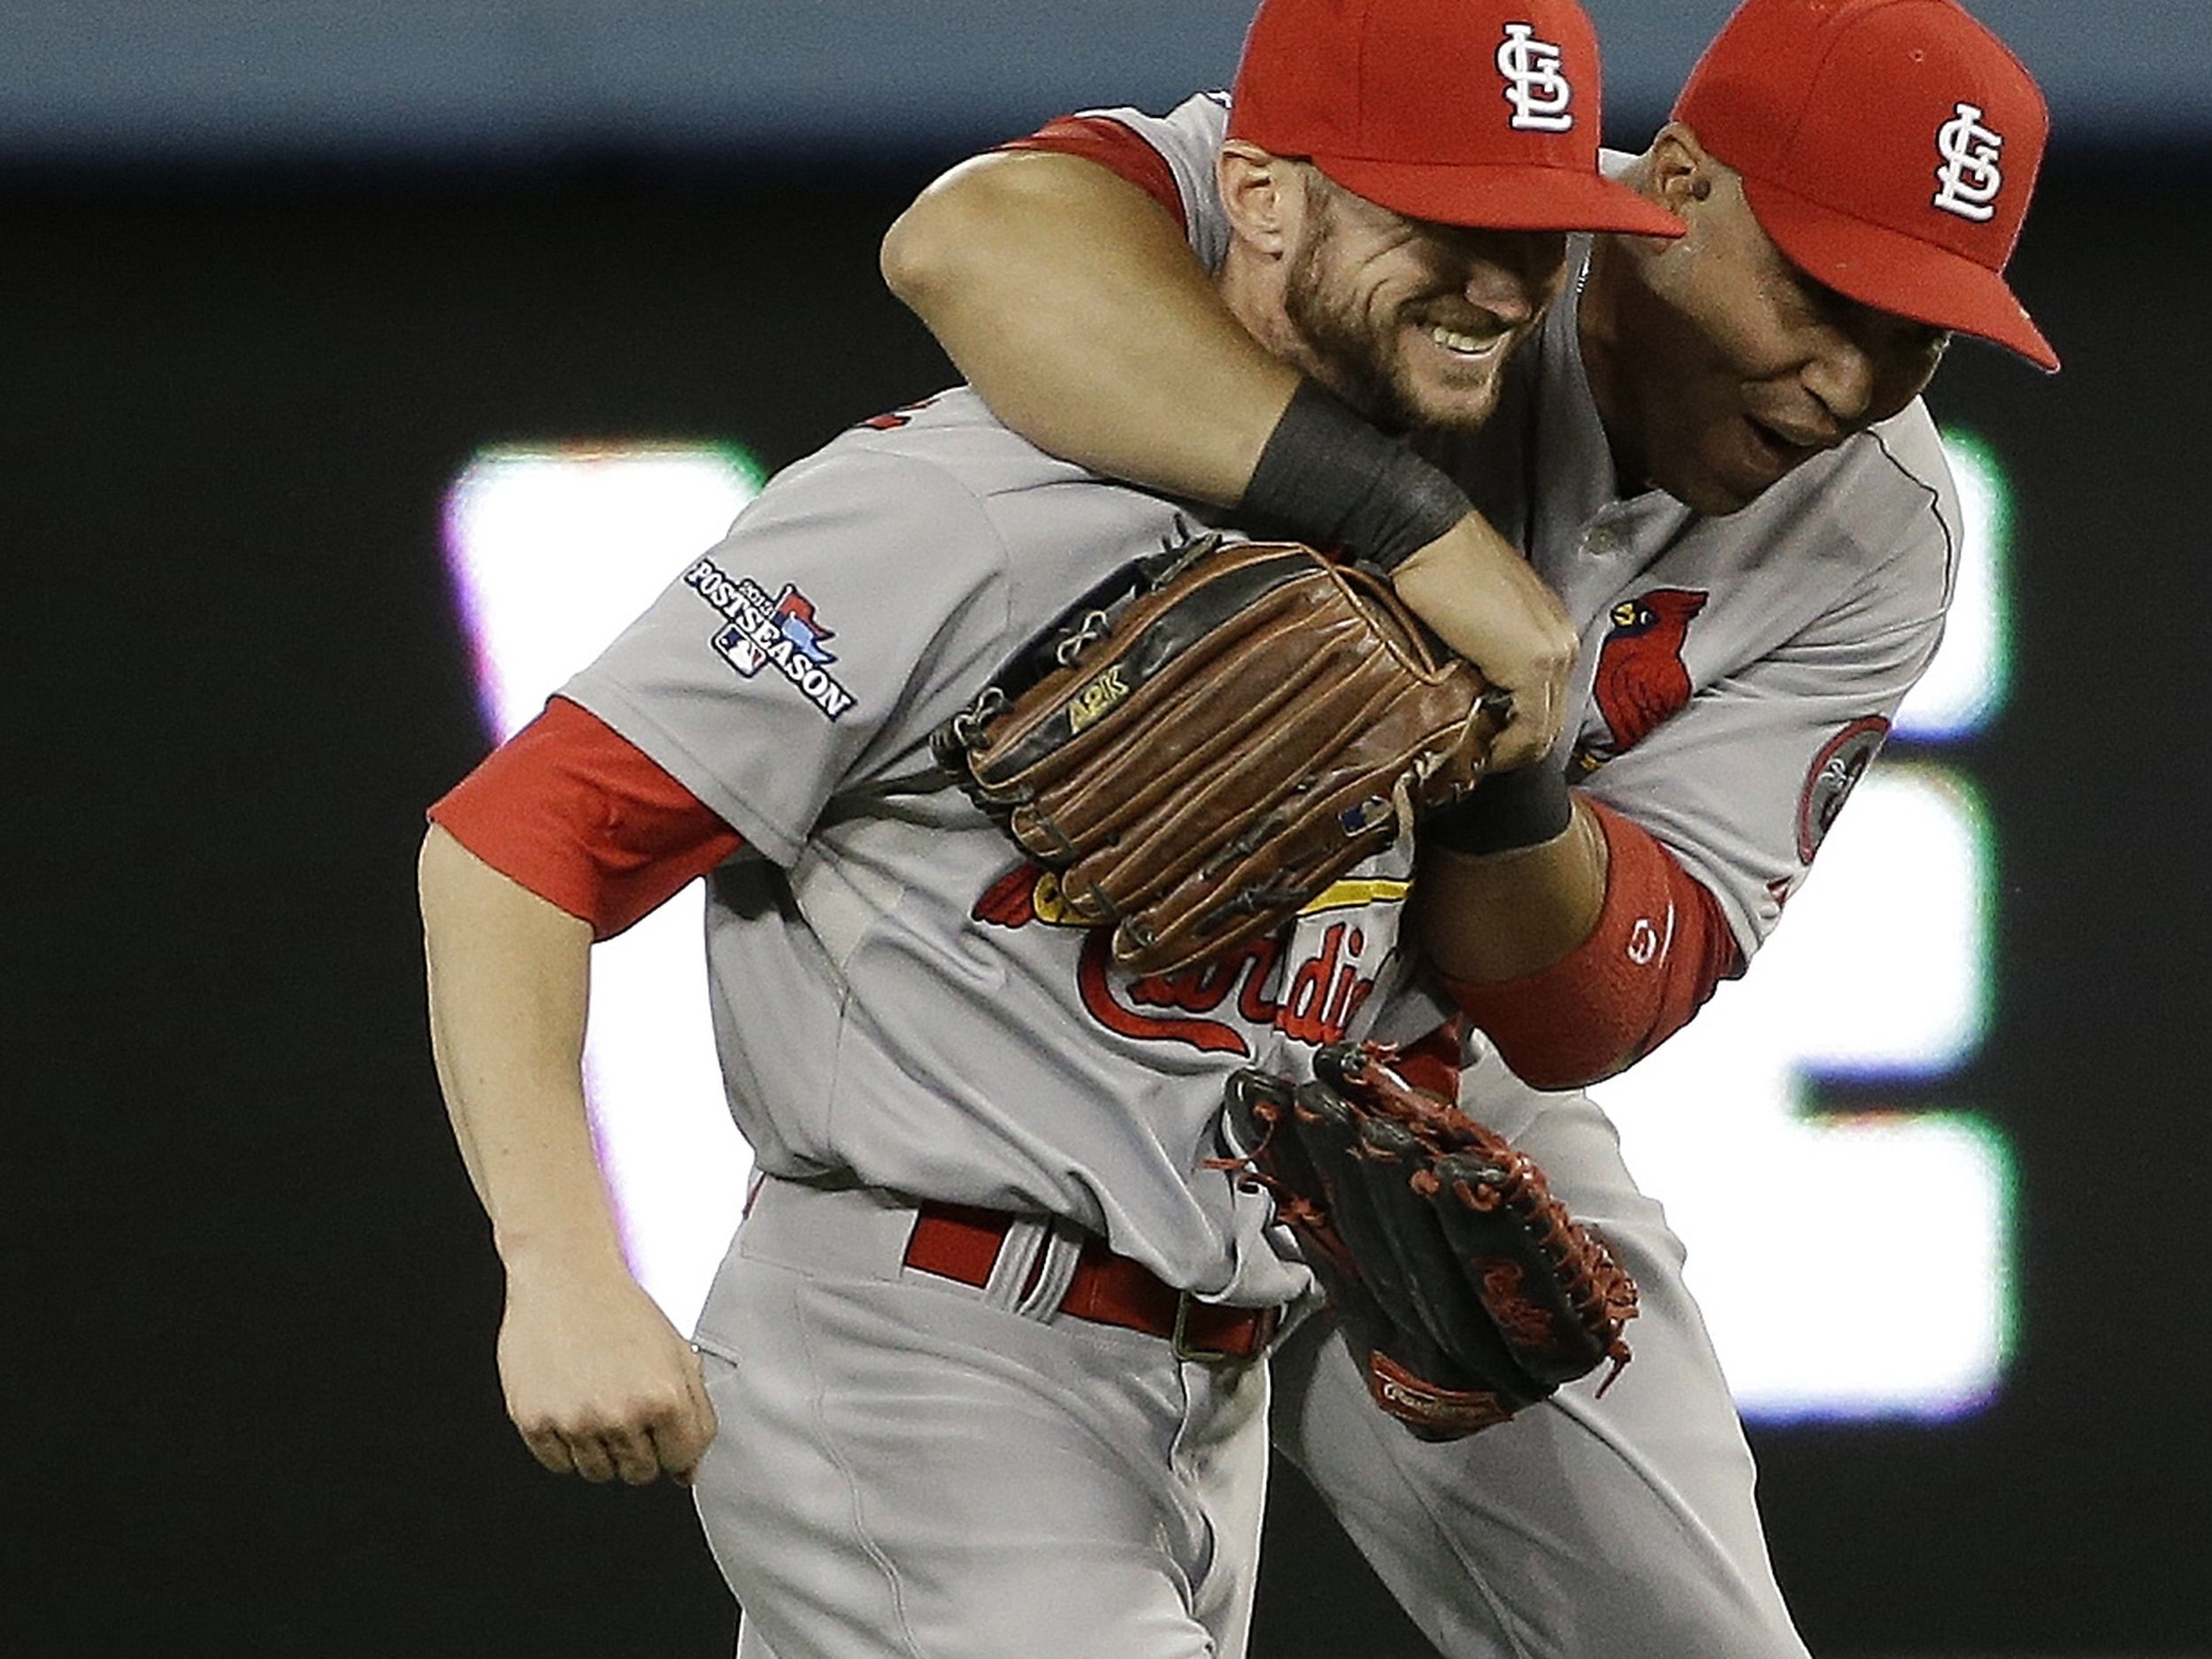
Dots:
{"x": 1893, "y": 271}
{"x": 1503, "y": 196}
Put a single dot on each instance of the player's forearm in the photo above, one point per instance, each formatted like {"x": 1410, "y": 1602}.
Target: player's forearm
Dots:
{"x": 1487, "y": 918}
{"x": 1071, "y": 302}
{"x": 509, "y": 977}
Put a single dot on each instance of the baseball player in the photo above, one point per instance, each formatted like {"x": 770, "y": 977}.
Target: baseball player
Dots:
{"x": 1716, "y": 456}
{"x": 987, "y": 1343}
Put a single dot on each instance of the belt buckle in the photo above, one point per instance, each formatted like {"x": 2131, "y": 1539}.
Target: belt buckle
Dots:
{"x": 1266, "y": 1321}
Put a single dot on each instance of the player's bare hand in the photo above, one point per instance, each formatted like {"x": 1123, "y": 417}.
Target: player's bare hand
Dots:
{"x": 1482, "y": 599}
{"x": 597, "y": 1380}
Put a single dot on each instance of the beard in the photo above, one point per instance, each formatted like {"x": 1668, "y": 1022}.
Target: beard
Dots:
{"x": 1357, "y": 357}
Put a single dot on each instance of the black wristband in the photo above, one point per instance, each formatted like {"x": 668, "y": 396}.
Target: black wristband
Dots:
{"x": 1328, "y": 477}
{"x": 1504, "y": 813}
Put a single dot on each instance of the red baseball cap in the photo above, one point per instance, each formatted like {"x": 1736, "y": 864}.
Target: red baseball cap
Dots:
{"x": 1462, "y": 112}
{"x": 1888, "y": 148}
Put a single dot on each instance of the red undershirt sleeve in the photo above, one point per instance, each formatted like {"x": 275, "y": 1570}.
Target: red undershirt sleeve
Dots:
{"x": 1660, "y": 945}
{"x": 1102, "y": 139}
{"x": 575, "y": 812}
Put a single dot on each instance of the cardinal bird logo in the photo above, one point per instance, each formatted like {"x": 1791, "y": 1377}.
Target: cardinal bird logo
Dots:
{"x": 1640, "y": 678}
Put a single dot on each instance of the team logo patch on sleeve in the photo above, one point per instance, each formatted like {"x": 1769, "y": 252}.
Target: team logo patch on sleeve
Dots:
{"x": 782, "y": 632}
{"x": 1837, "y": 769}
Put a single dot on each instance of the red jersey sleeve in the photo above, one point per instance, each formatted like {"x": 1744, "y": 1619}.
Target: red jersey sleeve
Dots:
{"x": 582, "y": 816}
{"x": 1102, "y": 139}
{"x": 1660, "y": 945}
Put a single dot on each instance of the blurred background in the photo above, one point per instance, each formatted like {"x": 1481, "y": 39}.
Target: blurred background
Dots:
{"x": 364, "y": 362}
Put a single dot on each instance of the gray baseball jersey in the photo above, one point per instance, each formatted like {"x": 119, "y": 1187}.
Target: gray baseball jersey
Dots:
{"x": 896, "y": 998}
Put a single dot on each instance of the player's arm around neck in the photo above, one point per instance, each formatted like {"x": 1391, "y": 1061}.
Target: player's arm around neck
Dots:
{"x": 1069, "y": 298}
{"x": 596, "y": 1378}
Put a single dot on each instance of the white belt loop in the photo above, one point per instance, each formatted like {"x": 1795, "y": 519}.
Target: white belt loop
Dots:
{"x": 1026, "y": 1235}
{"x": 1063, "y": 1249}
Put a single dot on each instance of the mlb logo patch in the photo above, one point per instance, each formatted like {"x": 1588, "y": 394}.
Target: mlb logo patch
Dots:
{"x": 792, "y": 623}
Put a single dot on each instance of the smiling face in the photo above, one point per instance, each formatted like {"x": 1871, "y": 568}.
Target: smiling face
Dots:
{"x": 1718, "y": 365}
{"x": 1411, "y": 322}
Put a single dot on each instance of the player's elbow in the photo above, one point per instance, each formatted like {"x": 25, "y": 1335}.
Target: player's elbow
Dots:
{"x": 909, "y": 254}
{"x": 944, "y": 238}
{"x": 1552, "y": 1065}
{"x": 985, "y": 234}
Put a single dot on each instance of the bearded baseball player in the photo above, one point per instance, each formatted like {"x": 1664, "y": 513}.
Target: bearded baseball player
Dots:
{"x": 987, "y": 1352}
{"x": 1714, "y": 455}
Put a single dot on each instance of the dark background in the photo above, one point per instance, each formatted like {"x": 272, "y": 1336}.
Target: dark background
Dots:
{"x": 254, "y": 1396}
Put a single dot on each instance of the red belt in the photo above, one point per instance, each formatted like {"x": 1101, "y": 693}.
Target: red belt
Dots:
{"x": 960, "y": 1242}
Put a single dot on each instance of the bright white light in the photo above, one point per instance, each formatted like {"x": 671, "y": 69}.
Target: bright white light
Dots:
{"x": 553, "y": 551}
{"x": 1851, "y": 1267}
{"x": 1965, "y": 684}
{"x": 1882, "y": 964}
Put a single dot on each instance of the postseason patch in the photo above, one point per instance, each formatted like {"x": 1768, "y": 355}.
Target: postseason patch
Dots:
{"x": 782, "y": 632}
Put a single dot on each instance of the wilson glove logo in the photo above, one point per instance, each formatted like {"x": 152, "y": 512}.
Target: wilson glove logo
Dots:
{"x": 1535, "y": 86}
{"x": 1969, "y": 180}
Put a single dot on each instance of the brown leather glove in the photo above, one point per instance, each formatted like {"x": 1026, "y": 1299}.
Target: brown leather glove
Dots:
{"x": 1199, "y": 764}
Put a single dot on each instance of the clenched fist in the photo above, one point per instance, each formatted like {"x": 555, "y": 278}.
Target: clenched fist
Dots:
{"x": 597, "y": 1380}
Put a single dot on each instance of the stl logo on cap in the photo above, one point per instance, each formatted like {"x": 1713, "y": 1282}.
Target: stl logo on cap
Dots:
{"x": 1535, "y": 86}
{"x": 1969, "y": 178}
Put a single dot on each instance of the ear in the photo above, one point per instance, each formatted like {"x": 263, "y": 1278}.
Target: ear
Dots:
{"x": 1263, "y": 195}
{"x": 1680, "y": 172}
